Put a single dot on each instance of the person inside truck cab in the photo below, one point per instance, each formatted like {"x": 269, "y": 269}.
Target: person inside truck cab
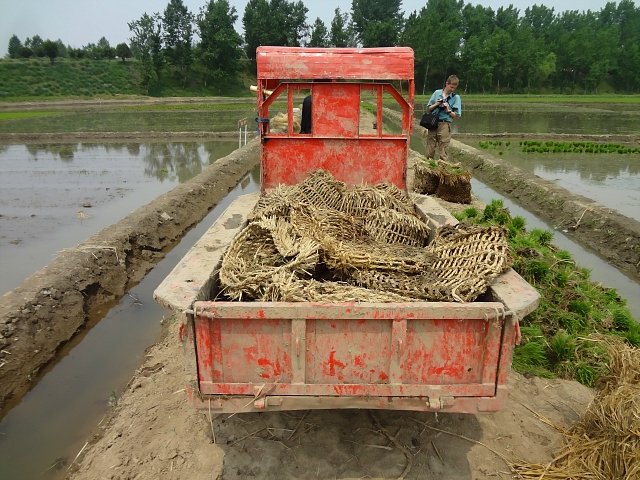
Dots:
{"x": 305, "y": 121}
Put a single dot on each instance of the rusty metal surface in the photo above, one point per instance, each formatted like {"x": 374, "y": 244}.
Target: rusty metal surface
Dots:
{"x": 348, "y": 349}
{"x": 289, "y": 160}
{"x": 394, "y": 63}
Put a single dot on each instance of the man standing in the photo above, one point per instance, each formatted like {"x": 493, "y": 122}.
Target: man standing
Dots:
{"x": 449, "y": 108}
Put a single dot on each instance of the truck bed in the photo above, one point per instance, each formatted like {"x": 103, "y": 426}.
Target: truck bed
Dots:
{"x": 252, "y": 356}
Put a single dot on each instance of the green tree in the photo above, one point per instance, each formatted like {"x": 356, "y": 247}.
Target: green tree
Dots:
{"x": 342, "y": 32}
{"x": 14, "y": 46}
{"x": 625, "y": 18}
{"x": 478, "y": 55}
{"x": 35, "y": 44}
{"x": 178, "y": 36}
{"x": 62, "y": 49}
{"x": 105, "y": 50}
{"x": 435, "y": 35}
{"x": 274, "y": 22}
{"x": 123, "y": 51}
{"x": 220, "y": 47}
{"x": 319, "y": 35}
{"x": 50, "y": 49}
{"x": 377, "y": 23}
{"x": 146, "y": 45}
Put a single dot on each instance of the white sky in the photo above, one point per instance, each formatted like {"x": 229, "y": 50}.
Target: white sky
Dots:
{"x": 79, "y": 22}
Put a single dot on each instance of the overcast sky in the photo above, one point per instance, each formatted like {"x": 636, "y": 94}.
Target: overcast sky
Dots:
{"x": 79, "y": 22}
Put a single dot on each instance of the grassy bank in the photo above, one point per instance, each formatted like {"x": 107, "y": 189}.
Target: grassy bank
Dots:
{"x": 39, "y": 79}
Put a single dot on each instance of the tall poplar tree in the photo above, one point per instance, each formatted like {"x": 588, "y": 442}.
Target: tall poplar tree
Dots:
{"x": 220, "y": 45}
{"x": 377, "y": 23}
{"x": 177, "y": 25}
{"x": 146, "y": 46}
{"x": 319, "y": 35}
{"x": 274, "y": 22}
{"x": 342, "y": 33}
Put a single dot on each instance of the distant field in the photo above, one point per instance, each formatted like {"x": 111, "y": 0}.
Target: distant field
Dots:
{"x": 524, "y": 98}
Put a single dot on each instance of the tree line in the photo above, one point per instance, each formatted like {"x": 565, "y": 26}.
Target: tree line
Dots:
{"x": 503, "y": 50}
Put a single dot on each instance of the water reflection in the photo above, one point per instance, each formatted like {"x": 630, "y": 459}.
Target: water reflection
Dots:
{"x": 58, "y": 151}
{"x": 173, "y": 161}
{"x": 612, "y": 180}
{"x": 50, "y": 425}
{"x": 164, "y": 161}
{"x": 487, "y": 121}
{"x": 53, "y": 196}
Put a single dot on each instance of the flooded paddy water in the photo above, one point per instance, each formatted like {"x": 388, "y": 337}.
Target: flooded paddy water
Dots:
{"x": 612, "y": 179}
{"x": 53, "y": 196}
{"x": 57, "y": 182}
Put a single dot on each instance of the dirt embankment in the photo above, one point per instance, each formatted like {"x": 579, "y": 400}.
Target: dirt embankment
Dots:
{"x": 82, "y": 283}
{"x": 612, "y": 235}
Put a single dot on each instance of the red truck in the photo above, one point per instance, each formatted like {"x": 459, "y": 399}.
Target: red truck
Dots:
{"x": 255, "y": 356}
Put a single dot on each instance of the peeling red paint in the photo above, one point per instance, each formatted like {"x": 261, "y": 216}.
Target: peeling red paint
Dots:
{"x": 275, "y": 366}
{"x": 358, "y": 361}
{"x": 383, "y": 376}
{"x": 250, "y": 353}
{"x": 329, "y": 367}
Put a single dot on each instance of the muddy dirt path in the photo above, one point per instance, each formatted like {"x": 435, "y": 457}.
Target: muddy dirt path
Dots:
{"x": 154, "y": 432}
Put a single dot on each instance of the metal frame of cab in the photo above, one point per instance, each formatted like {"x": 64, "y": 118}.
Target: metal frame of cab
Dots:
{"x": 337, "y": 79}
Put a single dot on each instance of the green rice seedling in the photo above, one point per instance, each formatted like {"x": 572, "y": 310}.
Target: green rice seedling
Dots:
{"x": 536, "y": 270}
{"x": 541, "y": 237}
{"x": 471, "y": 212}
{"x": 586, "y": 374}
{"x": 460, "y": 216}
{"x": 518, "y": 223}
{"x": 570, "y": 321}
{"x": 622, "y": 319}
{"x": 632, "y": 335}
{"x": 581, "y": 307}
{"x": 561, "y": 277}
{"x": 531, "y": 358}
{"x": 562, "y": 347}
{"x": 496, "y": 212}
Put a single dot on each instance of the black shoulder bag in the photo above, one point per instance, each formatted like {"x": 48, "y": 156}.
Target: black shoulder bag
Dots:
{"x": 431, "y": 119}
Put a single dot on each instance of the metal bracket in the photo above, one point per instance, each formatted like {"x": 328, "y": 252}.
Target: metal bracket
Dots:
{"x": 263, "y": 403}
{"x": 438, "y": 403}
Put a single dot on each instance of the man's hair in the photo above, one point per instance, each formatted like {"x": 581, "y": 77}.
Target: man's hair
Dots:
{"x": 453, "y": 79}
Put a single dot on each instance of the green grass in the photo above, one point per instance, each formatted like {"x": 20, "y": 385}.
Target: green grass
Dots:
{"x": 37, "y": 79}
{"x": 21, "y": 115}
{"x": 551, "y": 146}
{"x": 560, "y": 336}
{"x": 219, "y": 116}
